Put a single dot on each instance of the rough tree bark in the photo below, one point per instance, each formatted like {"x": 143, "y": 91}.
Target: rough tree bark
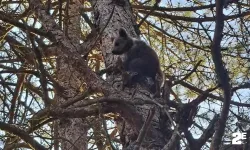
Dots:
{"x": 71, "y": 132}
{"x": 122, "y": 16}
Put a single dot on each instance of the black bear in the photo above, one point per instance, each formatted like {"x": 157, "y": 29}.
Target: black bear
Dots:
{"x": 140, "y": 62}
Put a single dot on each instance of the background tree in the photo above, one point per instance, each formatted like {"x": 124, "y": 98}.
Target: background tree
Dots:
{"x": 59, "y": 88}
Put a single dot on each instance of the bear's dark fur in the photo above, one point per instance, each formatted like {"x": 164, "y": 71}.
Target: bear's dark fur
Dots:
{"x": 140, "y": 61}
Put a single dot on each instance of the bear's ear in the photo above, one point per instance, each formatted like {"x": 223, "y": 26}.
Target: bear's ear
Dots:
{"x": 123, "y": 33}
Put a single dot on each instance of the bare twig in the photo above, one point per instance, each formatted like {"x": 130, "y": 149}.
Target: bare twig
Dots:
{"x": 13, "y": 21}
{"x": 106, "y": 128}
{"x": 43, "y": 80}
{"x": 146, "y": 16}
{"x": 20, "y": 81}
{"x": 189, "y": 74}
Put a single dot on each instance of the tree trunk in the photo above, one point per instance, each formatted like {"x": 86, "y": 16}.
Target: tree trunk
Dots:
{"x": 112, "y": 15}
{"x": 72, "y": 132}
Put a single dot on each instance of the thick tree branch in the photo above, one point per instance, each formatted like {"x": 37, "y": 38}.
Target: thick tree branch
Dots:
{"x": 168, "y": 9}
{"x": 187, "y": 85}
{"x": 222, "y": 75}
{"x": 144, "y": 129}
{"x": 171, "y": 143}
{"x": 16, "y": 146}
{"x": 208, "y": 133}
{"x": 242, "y": 86}
{"x": 194, "y": 8}
{"x": 22, "y": 134}
{"x": 192, "y": 19}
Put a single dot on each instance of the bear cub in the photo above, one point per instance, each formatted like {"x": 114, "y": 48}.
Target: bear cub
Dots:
{"x": 141, "y": 64}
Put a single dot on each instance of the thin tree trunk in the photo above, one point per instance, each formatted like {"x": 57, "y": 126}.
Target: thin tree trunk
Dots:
{"x": 72, "y": 132}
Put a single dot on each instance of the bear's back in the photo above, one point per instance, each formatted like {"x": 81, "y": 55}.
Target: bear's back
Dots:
{"x": 140, "y": 50}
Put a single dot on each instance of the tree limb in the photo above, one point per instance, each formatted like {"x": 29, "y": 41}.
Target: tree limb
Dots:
{"x": 222, "y": 75}
{"x": 22, "y": 134}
